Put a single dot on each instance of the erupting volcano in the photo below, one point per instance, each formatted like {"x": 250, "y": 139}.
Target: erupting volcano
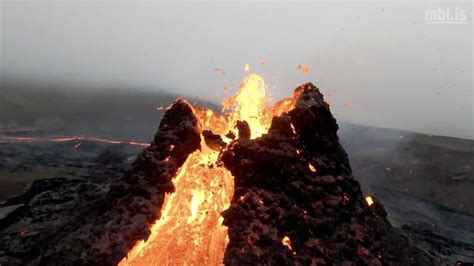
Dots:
{"x": 254, "y": 184}
{"x": 190, "y": 229}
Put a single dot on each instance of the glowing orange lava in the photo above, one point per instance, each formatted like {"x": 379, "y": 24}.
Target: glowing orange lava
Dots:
{"x": 190, "y": 229}
{"x": 6, "y": 138}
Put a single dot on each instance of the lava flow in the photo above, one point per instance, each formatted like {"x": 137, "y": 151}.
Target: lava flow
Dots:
{"x": 6, "y": 138}
{"x": 190, "y": 229}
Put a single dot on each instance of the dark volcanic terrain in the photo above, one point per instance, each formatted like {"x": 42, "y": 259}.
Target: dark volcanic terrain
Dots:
{"x": 421, "y": 180}
{"x": 424, "y": 182}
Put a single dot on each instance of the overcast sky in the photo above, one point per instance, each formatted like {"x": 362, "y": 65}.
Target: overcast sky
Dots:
{"x": 380, "y": 64}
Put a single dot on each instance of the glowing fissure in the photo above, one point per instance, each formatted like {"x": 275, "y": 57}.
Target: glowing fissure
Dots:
{"x": 190, "y": 230}
{"x": 7, "y": 138}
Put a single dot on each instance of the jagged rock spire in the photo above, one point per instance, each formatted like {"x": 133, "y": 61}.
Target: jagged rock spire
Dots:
{"x": 296, "y": 201}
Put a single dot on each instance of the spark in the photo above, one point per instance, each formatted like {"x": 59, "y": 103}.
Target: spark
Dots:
{"x": 302, "y": 69}
{"x": 287, "y": 243}
{"x": 312, "y": 168}
{"x": 369, "y": 200}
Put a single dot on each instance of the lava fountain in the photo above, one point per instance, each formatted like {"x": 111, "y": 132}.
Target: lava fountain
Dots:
{"x": 190, "y": 229}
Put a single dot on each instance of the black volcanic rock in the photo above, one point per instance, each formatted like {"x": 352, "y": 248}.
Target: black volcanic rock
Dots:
{"x": 243, "y": 129}
{"x": 297, "y": 203}
{"x": 212, "y": 140}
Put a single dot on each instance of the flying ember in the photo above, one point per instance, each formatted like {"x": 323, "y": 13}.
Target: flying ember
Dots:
{"x": 369, "y": 200}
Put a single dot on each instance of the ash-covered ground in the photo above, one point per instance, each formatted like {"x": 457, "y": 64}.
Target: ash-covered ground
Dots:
{"x": 424, "y": 182}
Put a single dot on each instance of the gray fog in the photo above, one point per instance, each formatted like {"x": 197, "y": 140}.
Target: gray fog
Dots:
{"x": 379, "y": 63}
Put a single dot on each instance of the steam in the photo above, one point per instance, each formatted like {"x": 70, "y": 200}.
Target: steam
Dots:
{"x": 381, "y": 59}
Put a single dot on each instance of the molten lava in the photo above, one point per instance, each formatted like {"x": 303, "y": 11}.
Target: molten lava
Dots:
{"x": 190, "y": 229}
{"x": 249, "y": 105}
{"x": 7, "y": 138}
